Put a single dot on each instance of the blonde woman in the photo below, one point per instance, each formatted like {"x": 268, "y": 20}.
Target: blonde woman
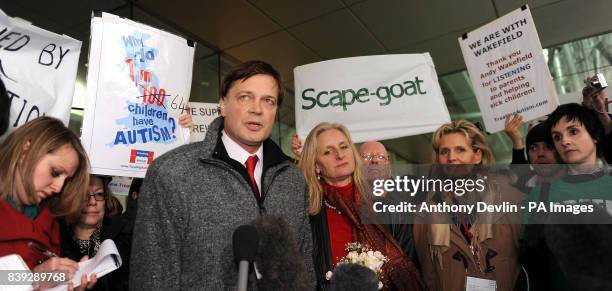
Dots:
{"x": 43, "y": 175}
{"x": 467, "y": 245}
{"x": 330, "y": 165}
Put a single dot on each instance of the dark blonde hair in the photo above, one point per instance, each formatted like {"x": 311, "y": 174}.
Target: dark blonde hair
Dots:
{"x": 473, "y": 135}
{"x": 26, "y": 146}
{"x": 308, "y": 162}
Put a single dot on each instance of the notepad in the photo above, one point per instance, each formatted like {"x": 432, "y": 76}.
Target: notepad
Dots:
{"x": 107, "y": 259}
{"x": 14, "y": 262}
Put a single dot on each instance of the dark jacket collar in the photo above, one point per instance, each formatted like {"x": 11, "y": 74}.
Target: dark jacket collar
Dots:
{"x": 213, "y": 147}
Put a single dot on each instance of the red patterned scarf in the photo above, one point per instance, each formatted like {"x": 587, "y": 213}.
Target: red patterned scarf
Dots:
{"x": 399, "y": 270}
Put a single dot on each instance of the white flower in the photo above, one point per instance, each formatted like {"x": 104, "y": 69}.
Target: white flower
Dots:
{"x": 371, "y": 263}
{"x": 328, "y": 276}
{"x": 358, "y": 254}
{"x": 380, "y": 285}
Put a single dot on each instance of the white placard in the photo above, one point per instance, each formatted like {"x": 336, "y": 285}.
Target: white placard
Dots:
{"x": 120, "y": 185}
{"x": 38, "y": 68}
{"x": 508, "y": 71}
{"x": 138, "y": 81}
{"x": 376, "y": 97}
{"x": 202, "y": 114}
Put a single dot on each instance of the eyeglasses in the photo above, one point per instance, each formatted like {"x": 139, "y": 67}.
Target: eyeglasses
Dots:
{"x": 372, "y": 156}
{"x": 98, "y": 196}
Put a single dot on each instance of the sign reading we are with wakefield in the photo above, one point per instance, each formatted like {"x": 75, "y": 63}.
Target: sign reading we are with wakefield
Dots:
{"x": 138, "y": 83}
{"x": 376, "y": 97}
{"x": 38, "y": 68}
{"x": 508, "y": 71}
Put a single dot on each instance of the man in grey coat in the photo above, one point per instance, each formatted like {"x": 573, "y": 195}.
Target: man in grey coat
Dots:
{"x": 195, "y": 196}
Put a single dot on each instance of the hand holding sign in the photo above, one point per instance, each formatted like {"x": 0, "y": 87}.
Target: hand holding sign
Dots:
{"x": 512, "y": 127}
{"x": 185, "y": 119}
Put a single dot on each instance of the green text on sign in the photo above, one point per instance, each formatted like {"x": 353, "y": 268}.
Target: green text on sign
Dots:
{"x": 348, "y": 97}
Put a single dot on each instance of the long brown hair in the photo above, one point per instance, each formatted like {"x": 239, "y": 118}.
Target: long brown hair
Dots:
{"x": 308, "y": 162}
{"x": 26, "y": 146}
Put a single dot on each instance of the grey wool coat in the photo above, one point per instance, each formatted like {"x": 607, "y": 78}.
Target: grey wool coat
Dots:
{"x": 193, "y": 198}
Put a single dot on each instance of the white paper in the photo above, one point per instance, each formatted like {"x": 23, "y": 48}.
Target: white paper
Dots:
{"x": 508, "y": 71}
{"x": 202, "y": 114}
{"x": 38, "y": 68}
{"x": 375, "y": 97}
{"x": 106, "y": 260}
{"x": 479, "y": 284}
{"x": 14, "y": 262}
{"x": 138, "y": 82}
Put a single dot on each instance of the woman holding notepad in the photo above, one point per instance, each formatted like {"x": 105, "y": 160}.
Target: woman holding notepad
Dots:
{"x": 93, "y": 224}
{"x": 43, "y": 175}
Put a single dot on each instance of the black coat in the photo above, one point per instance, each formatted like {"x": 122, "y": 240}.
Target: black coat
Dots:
{"x": 119, "y": 229}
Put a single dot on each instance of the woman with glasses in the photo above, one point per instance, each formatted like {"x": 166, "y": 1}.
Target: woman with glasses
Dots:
{"x": 330, "y": 164}
{"x": 99, "y": 219}
{"x": 91, "y": 226}
{"x": 43, "y": 175}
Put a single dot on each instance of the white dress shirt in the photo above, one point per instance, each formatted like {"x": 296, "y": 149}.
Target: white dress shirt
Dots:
{"x": 236, "y": 152}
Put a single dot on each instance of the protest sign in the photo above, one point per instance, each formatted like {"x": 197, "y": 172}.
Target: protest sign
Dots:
{"x": 138, "y": 83}
{"x": 202, "y": 114}
{"x": 120, "y": 185}
{"x": 508, "y": 71}
{"x": 376, "y": 97}
{"x": 38, "y": 68}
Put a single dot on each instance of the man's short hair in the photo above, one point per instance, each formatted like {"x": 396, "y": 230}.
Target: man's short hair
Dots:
{"x": 576, "y": 112}
{"x": 249, "y": 69}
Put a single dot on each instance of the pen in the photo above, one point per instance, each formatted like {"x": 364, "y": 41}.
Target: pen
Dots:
{"x": 41, "y": 249}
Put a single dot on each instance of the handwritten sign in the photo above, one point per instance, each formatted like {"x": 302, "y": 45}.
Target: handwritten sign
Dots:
{"x": 38, "y": 68}
{"x": 508, "y": 71}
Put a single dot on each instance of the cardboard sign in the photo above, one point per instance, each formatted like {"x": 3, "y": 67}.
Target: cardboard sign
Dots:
{"x": 508, "y": 71}
{"x": 38, "y": 68}
{"x": 376, "y": 97}
{"x": 138, "y": 83}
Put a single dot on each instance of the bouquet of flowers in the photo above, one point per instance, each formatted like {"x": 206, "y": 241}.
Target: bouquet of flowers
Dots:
{"x": 361, "y": 255}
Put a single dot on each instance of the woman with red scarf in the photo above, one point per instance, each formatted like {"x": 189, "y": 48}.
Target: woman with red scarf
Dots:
{"x": 330, "y": 164}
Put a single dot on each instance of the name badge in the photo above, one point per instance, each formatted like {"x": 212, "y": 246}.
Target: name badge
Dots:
{"x": 479, "y": 284}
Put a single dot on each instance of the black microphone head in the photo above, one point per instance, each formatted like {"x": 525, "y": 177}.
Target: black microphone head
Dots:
{"x": 245, "y": 242}
{"x": 279, "y": 259}
{"x": 353, "y": 277}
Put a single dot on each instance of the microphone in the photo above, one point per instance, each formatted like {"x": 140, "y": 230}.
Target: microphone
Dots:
{"x": 245, "y": 242}
{"x": 353, "y": 277}
{"x": 279, "y": 258}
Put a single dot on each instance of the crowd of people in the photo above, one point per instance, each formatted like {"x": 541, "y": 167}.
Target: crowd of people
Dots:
{"x": 176, "y": 232}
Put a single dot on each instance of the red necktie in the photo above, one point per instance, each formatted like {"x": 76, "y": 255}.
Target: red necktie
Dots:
{"x": 250, "y": 165}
